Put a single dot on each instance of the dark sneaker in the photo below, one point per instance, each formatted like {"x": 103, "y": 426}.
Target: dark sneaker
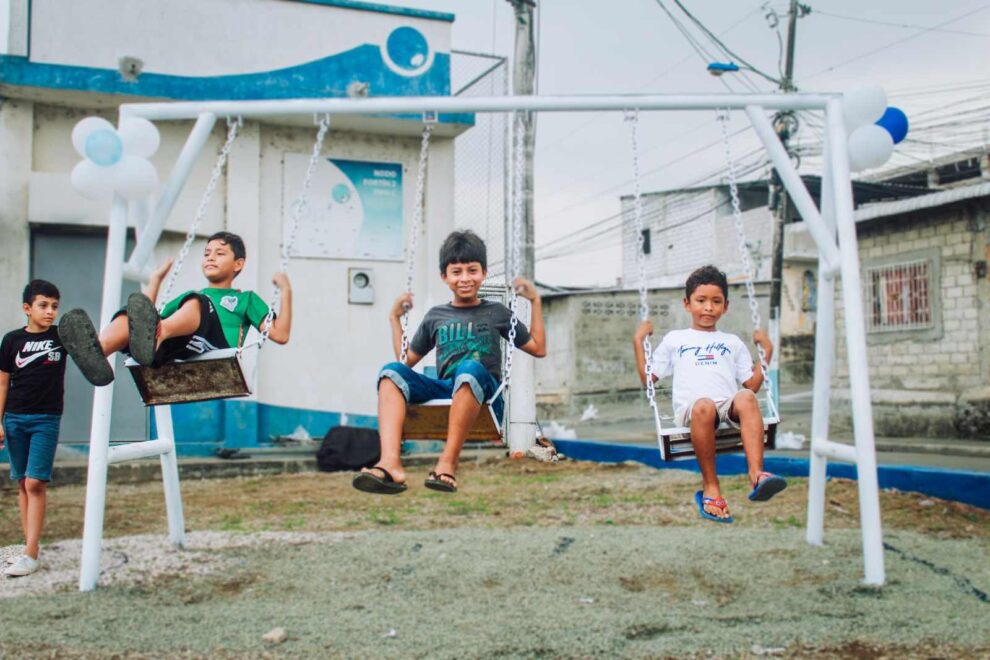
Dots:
{"x": 142, "y": 328}
{"x": 83, "y": 344}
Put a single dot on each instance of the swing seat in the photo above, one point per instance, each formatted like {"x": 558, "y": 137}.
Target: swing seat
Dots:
{"x": 676, "y": 442}
{"x": 213, "y": 375}
{"x": 429, "y": 420}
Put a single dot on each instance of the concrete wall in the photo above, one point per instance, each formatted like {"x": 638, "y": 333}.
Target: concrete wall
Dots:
{"x": 200, "y": 49}
{"x": 931, "y": 381}
{"x": 590, "y": 338}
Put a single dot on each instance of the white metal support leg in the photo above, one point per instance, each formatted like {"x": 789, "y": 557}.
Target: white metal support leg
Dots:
{"x": 99, "y": 434}
{"x": 824, "y": 361}
{"x": 170, "y": 477}
{"x": 521, "y": 431}
{"x": 859, "y": 378}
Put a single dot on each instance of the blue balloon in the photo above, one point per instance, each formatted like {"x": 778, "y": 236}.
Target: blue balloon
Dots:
{"x": 104, "y": 147}
{"x": 895, "y": 122}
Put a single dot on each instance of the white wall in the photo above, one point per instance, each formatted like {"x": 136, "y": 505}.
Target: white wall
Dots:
{"x": 208, "y": 38}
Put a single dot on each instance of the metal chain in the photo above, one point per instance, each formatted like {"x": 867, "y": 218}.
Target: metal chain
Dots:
{"x": 417, "y": 221}
{"x": 233, "y": 125}
{"x": 644, "y": 302}
{"x": 744, "y": 255}
{"x": 515, "y": 270}
{"x": 300, "y": 207}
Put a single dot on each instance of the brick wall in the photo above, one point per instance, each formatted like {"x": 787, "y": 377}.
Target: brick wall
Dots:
{"x": 921, "y": 378}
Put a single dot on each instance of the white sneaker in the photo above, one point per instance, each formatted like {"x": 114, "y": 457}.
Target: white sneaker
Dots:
{"x": 23, "y": 566}
{"x": 12, "y": 559}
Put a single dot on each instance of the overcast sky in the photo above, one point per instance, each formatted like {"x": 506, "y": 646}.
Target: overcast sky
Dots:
{"x": 616, "y": 46}
{"x": 631, "y": 46}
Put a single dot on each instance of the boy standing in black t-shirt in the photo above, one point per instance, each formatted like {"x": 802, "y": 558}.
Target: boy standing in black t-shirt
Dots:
{"x": 466, "y": 334}
{"x": 32, "y": 376}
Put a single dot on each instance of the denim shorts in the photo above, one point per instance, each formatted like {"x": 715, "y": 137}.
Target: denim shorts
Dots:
{"x": 31, "y": 441}
{"x": 418, "y": 388}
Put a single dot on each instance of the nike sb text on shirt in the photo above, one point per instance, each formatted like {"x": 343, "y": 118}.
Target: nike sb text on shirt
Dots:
{"x": 36, "y": 364}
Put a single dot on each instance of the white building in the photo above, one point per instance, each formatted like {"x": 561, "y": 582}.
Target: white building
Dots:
{"x": 61, "y": 61}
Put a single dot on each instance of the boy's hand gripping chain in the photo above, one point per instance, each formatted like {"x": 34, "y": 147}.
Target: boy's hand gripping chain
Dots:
{"x": 417, "y": 221}
{"x": 744, "y": 256}
{"x": 300, "y": 207}
{"x": 644, "y": 303}
{"x": 233, "y": 125}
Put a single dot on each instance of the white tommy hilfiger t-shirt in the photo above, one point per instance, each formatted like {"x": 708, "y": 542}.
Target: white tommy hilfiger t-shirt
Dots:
{"x": 710, "y": 365}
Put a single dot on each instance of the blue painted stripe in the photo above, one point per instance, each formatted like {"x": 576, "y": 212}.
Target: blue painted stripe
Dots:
{"x": 957, "y": 485}
{"x": 384, "y": 9}
{"x": 328, "y": 77}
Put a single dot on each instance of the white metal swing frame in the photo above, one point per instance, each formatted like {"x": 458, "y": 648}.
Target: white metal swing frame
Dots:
{"x": 833, "y": 230}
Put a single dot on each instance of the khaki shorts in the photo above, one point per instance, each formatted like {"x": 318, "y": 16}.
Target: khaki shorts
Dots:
{"x": 722, "y": 408}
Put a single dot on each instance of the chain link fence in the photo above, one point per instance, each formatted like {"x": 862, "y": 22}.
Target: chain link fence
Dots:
{"x": 480, "y": 157}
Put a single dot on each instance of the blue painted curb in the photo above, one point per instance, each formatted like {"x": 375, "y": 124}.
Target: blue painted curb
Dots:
{"x": 957, "y": 485}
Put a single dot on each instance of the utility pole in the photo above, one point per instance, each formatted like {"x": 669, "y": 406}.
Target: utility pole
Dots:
{"x": 522, "y": 426}
{"x": 785, "y": 124}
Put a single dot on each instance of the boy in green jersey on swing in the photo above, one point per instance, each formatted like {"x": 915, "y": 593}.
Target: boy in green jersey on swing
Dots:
{"x": 191, "y": 324}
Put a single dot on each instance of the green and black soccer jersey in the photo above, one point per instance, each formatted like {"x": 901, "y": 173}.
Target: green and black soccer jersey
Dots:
{"x": 467, "y": 333}
{"x": 236, "y": 310}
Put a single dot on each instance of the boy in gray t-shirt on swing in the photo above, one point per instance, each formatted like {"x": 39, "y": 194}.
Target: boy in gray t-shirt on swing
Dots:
{"x": 466, "y": 333}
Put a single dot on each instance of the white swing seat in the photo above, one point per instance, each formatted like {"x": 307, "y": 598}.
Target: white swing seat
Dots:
{"x": 429, "y": 420}
{"x": 676, "y": 442}
{"x": 212, "y": 375}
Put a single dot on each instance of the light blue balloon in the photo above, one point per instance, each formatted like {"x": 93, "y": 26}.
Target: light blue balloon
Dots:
{"x": 104, "y": 147}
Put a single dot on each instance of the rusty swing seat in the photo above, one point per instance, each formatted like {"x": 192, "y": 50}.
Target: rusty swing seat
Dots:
{"x": 213, "y": 375}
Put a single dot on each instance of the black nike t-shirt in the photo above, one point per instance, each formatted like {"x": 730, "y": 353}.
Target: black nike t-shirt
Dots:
{"x": 36, "y": 364}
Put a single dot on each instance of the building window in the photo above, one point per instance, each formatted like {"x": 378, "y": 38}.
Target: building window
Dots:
{"x": 898, "y": 296}
{"x": 809, "y": 292}
{"x": 646, "y": 241}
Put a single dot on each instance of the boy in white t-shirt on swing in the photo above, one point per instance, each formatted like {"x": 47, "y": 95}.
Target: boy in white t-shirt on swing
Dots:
{"x": 708, "y": 367}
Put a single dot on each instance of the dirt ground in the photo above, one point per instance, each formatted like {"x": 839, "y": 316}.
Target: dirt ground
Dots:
{"x": 528, "y": 560}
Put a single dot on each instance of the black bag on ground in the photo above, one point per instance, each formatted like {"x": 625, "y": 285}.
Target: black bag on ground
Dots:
{"x": 348, "y": 448}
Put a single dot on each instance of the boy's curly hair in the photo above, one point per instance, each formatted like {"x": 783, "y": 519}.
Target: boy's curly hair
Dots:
{"x": 707, "y": 275}
{"x": 463, "y": 247}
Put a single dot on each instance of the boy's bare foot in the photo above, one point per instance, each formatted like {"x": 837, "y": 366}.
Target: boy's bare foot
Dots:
{"x": 712, "y": 498}
{"x": 442, "y": 478}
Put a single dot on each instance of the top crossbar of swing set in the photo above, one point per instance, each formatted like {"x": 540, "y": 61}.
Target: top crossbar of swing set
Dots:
{"x": 448, "y": 104}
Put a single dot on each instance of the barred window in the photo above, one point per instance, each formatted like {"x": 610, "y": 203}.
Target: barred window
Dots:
{"x": 898, "y": 296}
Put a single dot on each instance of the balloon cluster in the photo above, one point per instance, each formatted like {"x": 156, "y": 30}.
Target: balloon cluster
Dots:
{"x": 874, "y": 127}
{"x": 115, "y": 160}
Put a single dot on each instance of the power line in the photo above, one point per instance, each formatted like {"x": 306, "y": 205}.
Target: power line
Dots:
{"x": 899, "y": 41}
{"x": 859, "y": 19}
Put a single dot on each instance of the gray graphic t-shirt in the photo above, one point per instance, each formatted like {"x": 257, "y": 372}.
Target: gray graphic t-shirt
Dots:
{"x": 466, "y": 333}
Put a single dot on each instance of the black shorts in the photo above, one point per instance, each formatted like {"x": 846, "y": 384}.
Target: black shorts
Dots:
{"x": 208, "y": 337}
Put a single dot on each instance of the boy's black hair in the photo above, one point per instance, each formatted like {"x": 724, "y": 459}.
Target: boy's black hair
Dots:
{"x": 463, "y": 247}
{"x": 707, "y": 275}
{"x": 235, "y": 242}
{"x": 40, "y": 288}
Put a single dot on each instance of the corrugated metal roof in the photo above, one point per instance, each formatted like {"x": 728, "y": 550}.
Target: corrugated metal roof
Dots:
{"x": 940, "y": 198}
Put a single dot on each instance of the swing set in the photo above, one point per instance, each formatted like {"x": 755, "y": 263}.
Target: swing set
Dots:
{"x": 219, "y": 374}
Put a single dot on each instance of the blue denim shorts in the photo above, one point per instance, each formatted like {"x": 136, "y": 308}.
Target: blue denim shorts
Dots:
{"x": 418, "y": 388}
{"x": 31, "y": 441}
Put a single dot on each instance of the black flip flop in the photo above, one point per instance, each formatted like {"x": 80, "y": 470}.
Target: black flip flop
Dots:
{"x": 83, "y": 344}
{"x": 142, "y": 328}
{"x": 372, "y": 483}
{"x": 435, "y": 481}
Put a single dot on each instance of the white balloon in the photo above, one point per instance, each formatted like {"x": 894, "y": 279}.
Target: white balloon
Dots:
{"x": 137, "y": 178}
{"x": 92, "y": 181}
{"x": 140, "y": 137}
{"x": 869, "y": 146}
{"x": 863, "y": 105}
{"x": 83, "y": 128}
